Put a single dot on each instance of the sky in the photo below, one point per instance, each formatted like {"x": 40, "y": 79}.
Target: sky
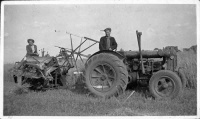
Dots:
{"x": 161, "y": 25}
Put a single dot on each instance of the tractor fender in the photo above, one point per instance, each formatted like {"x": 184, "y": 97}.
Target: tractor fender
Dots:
{"x": 120, "y": 56}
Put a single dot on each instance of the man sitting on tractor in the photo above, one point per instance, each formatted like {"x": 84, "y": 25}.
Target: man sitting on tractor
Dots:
{"x": 31, "y": 48}
{"x": 107, "y": 42}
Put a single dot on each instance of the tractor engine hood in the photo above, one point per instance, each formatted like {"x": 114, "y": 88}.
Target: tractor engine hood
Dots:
{"x": 168, "y": 53}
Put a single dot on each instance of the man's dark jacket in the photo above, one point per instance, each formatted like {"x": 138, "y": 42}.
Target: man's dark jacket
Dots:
{"x": 29, "y": 50}
{"x": 103, "y": 43}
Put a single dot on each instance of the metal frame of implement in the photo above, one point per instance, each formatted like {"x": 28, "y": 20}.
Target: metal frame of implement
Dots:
{"x": 73, "y": 50}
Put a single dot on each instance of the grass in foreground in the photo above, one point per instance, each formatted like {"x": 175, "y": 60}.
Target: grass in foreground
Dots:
{"x": 78, "y": 101}
{"x": 63, "y": 102}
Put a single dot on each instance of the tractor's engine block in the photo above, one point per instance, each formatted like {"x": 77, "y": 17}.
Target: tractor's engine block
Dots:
{"x": 153, "y": 61}
{"x": 150, "y": 65}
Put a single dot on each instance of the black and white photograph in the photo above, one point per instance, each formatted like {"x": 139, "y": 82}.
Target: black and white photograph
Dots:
{"x": 124, "y": 59}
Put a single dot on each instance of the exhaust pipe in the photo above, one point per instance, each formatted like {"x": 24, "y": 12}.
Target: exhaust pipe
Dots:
{"x": 140, "y": 52}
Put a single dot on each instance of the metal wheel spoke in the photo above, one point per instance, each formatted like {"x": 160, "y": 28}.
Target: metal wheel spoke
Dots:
{"x": 111, "y": 77}
{"x": 110, "y": 70}
{"x": 111, "y": 74}
{"x": 102, "y": 86}
{"x": 163, "y": 81}
{"x": 109, "y": 83}
{"x": 160, "y": 88}
{"x": 170, "y": 84}
{"x": 95, "y": 76}
{"x": 96, "y": 83}
{"x": 96, "y": 69}
{"x": 104, "y": 70}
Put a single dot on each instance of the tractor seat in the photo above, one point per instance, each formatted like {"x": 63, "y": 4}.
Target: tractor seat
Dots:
{"x": 35, "y": 59}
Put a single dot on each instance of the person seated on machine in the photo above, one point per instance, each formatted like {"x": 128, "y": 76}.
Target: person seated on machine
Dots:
{"x": 32, "y": 54}
{"x": 31, "y": 48}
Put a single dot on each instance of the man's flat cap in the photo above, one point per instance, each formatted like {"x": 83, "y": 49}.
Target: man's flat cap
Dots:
{"x": 106, "y": 29}
{"x": 30, "y": 40}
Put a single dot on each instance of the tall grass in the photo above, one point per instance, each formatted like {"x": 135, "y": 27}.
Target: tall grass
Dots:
{"x": 188, "y": 61}
{"x": 7, "y": 73}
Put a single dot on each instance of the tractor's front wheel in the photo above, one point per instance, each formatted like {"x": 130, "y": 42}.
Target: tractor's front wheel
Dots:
{"x": 165, "y": 84}
{"x": 106, "y": 75}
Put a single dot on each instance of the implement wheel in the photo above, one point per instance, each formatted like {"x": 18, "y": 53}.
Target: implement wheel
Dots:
{"x": 106, "y": 75}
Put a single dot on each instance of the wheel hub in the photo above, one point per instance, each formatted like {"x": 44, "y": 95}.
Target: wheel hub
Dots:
{"x": 103, "y": 77}
{"x": 165, "y": 86}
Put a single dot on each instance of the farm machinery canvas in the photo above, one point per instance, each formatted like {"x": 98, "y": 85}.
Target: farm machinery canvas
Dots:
{"x": 107, "y": 73}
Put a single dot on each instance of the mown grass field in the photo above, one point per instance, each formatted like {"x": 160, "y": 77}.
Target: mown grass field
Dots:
{"x": 79, "y": 102}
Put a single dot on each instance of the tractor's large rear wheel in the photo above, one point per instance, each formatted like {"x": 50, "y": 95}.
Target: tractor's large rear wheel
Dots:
{"x": 106, "y": 75}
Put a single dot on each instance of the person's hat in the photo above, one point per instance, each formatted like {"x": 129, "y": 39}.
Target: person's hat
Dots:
{"x": 30, "y": 40}
{"x": 106, "y": 29}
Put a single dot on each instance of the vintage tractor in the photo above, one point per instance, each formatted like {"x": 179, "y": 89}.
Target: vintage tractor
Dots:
{"x": 107, "y": 73}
